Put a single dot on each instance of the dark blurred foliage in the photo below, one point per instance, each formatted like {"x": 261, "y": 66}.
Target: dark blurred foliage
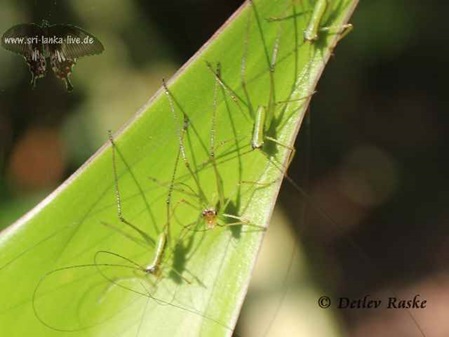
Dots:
{"x": 377, "y": 164}
{"x": 195, "y": 21}
{"x": 373, "y": 158}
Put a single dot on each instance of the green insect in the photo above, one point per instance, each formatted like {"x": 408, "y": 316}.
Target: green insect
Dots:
{"x": 161, "y": 243}
{"x": 265, "y": 118}
{"x": 211, "y": 211}
{"x": 311, "y": 33}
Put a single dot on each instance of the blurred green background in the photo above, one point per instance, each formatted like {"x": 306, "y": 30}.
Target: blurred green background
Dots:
{"x": 372, "y": 157}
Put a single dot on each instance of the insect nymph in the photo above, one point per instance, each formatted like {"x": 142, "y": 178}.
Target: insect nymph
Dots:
{"x": 63, "y": 44}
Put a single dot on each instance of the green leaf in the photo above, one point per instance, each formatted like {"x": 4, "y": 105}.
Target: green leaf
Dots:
{"x": 71, "y": 265}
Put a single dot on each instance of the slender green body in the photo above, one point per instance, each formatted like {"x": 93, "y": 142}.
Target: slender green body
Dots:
{"x": 257, "y": 140}
{"x": 311, "y": 32}
{"x": 264, "y": 115}
{"x": 154, "y": 267}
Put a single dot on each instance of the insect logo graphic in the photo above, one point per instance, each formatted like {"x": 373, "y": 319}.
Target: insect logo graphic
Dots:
{"x": 63, "y": 44}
